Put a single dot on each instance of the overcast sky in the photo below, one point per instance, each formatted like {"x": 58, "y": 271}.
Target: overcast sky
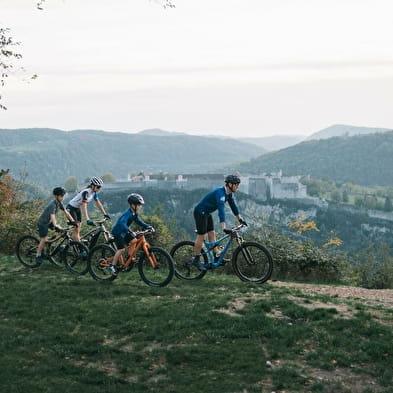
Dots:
{"x": 224, "y": 67}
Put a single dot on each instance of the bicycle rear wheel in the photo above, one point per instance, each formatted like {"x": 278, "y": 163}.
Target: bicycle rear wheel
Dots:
{"x": 75, "y": 255}
{"x": 182, "y": 254}
{"x": 26, "y": 250}
{"x": 252, "y": 262}
{"x": 100, "y": 257}
{"x": 159, "y": 275}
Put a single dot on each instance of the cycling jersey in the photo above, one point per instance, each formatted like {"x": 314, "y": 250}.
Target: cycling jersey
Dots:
{"x": 214, "y": 200}
{"x": 124, "y": 221}
{"x": 51, "y": 208}
{"x": 84, "y": 196}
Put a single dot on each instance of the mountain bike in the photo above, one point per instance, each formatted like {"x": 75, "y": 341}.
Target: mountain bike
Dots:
{"x": 155, "y": 265}
{"x": 251, "y": 261}
{"x": 59, "y": 249}
{"x": 90, "y": 240}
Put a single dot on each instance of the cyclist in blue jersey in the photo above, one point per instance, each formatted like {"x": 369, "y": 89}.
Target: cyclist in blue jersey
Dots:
{"x": 120, "y": 231}
{"x": 48, "y": 221}
{"x": 214, "y": 200}
{"x": 78, "y": 205}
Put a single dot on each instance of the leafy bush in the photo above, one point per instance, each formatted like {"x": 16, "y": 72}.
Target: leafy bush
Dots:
{"x": 17, "y": 215}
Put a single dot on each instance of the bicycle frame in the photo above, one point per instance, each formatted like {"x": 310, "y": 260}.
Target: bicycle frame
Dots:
{"x": 95, "y": 233}
{"x": 141, "y": 243}
{"x": 60, "y": 237}
{"x": 228, "y": 239}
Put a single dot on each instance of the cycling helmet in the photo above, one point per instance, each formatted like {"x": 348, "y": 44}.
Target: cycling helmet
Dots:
{"x": 59, "y": 191}
{"x": 96, "y": 181}
{"x": 135, "y": 199}
{"x": 232, "y": 179}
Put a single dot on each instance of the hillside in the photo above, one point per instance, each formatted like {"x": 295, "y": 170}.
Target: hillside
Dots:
{"x": 345, "y": 130}
{"x": 50, "y": 156}
{"x": 275, "y": 142}
{"x": 364, "y": 159}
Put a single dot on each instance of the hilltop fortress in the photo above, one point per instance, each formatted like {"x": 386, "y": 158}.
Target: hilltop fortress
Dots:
{"x": 265, "y": 187}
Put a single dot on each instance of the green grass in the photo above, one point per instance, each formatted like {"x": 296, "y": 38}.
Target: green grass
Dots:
{"x": 61, "y": 333}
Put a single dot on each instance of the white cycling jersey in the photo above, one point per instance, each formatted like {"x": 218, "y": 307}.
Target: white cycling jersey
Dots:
{"x": 86, "y": 195}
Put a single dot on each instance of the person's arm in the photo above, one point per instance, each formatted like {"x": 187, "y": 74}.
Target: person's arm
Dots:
{"x": 68, "y": 215}
{"x": 100, "y": 207}
{"x": 220, "y": 201}
{"x": 84, "y": 211}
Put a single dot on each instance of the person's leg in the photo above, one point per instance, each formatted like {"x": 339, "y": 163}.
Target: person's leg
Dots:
{"x": 43, "y": 233}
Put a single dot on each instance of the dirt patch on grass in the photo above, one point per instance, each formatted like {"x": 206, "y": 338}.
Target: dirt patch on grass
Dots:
{"x": 372, "y": 297}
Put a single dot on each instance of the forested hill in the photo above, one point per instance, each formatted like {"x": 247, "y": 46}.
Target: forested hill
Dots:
{"x": 50, "y": 156}
{"x": 364, "y": 159}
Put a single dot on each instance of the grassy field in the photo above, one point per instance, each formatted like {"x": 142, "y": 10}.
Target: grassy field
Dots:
{"x": 61, "y": 333}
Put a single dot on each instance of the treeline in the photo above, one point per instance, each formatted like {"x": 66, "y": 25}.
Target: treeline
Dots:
{"x": 361, "y": 159}
{"x": 48, "y": 154}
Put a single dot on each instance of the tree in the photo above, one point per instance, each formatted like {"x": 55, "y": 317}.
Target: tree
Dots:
{"x": 17, "y": 215}
{"x": 388, "y": 207}
{"x": 108, "y": 178}
{"x": 7, "y": 56}
{"x": 71, "y": 184}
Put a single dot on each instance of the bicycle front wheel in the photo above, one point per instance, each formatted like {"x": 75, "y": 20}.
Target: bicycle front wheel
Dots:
{"x": 182, "y": 254}
{"x": 75, "y": 255}
{"x": 161, "y": 273}
{"x": 100, "y": 258}
{"x": 26, "y": 250}
{"x": 252, "y": 262}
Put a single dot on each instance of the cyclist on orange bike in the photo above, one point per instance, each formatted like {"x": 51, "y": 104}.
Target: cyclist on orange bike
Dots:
{"x": 78, "y": 204}
{"x": 121, "y": 233}
{"x": 214, "y": 200}
{"x": 48, "y": 221}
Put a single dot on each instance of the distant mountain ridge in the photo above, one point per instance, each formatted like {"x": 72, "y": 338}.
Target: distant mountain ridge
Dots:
{"x": 345, "y": 130}
{"x": 364, "y": 159}
{"x": 51, "y": 155}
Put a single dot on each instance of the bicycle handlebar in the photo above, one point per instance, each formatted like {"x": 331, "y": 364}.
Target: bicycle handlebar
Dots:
{"x": 145, "y": 232}
{"x": 235, "y": 229}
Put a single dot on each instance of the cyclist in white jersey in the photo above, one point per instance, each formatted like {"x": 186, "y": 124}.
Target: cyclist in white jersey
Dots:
{"x": 77, "y": 206}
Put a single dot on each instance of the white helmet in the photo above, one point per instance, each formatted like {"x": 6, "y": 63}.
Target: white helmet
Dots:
{"x": 96, "y": 181}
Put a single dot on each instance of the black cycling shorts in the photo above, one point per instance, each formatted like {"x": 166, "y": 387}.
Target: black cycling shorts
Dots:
{"x": 75, "y": 213}
{"x": 122, "y": 242}
{"x": 203, "y": 223}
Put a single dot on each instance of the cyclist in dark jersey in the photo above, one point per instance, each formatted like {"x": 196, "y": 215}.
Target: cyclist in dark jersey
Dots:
{"x": 214, "y": 200}
{"x": 121, "y": 233}
{"x": 47, "y": 219}
{"x": 78, "y": 204}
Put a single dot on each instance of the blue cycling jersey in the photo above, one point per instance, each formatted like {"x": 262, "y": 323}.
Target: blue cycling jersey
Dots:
{"x": 124, "y": 221}
{"x": 214, "y": 200}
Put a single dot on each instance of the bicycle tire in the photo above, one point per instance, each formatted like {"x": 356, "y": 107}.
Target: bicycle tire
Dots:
{"x": 162, "y": 274}
{"x": 100, "y": 257}
{"x": 252, "y": 262}
{"x": 26, "y": 250}
{"x": 75, "y": 256}
{"x": 182, "y": 254}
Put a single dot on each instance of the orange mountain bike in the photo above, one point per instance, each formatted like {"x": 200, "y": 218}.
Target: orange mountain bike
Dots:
{"x": 155, "y": 264}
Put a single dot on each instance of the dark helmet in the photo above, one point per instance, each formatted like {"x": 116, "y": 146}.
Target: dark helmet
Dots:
{"x": 232, "y": 179}
{"x": 59, "y": 191}
{"x": 135, "y": 199}
{"x": 96, "y": 181}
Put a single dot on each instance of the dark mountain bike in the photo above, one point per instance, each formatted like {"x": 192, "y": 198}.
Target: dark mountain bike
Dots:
{"x": 90, "y": 239}
{"x": 59, "y": 249}
{"x": 251, "y": 261}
